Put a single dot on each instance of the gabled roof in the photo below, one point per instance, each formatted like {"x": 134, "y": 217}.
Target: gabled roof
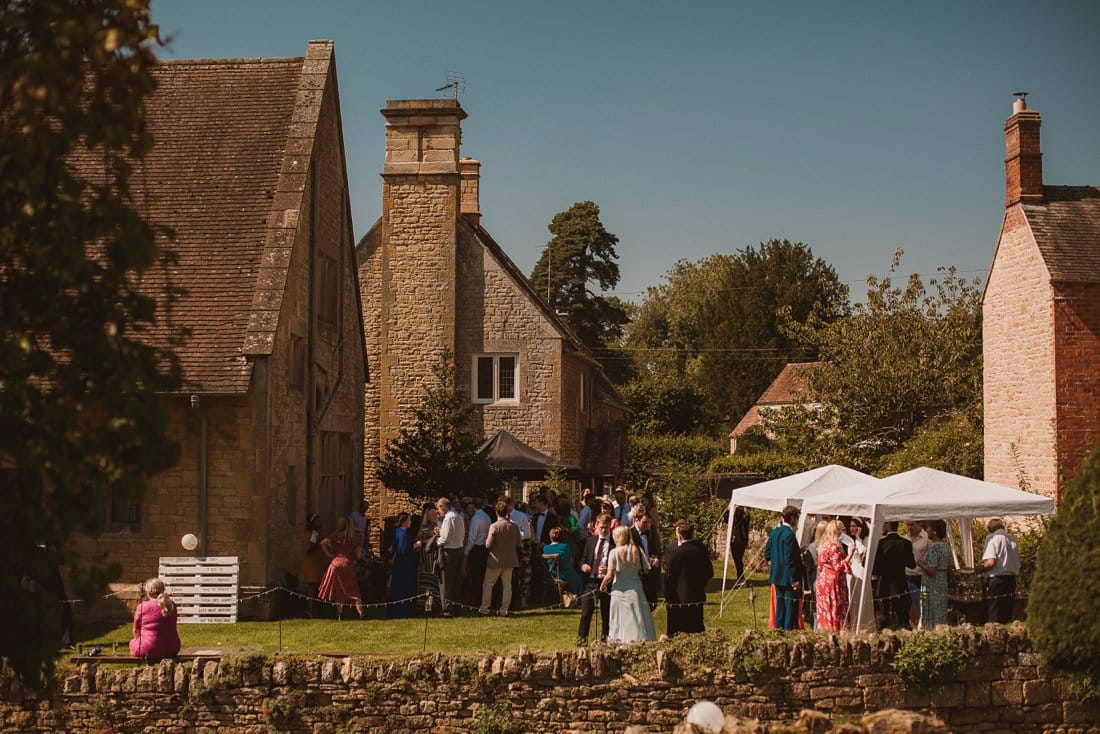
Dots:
{"x": 226, "y": 173}
{"x": 787, "y": 388}
{"x": 1066, "y": 226}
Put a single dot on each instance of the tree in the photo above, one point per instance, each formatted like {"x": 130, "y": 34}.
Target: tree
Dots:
{"x": 1061, "y": 608}
{"x": 439, "y": 455}
{"x": 716, "y": 325}
{"x": 79, "y": 368}
{"x": 579, "y": 255}
{"x": 907, "y": 364}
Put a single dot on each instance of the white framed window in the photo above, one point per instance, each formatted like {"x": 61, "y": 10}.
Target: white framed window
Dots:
{"x": 495, "y": 378}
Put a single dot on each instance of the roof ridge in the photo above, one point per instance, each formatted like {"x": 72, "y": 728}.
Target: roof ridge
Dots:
{"x": 237, "y": 61}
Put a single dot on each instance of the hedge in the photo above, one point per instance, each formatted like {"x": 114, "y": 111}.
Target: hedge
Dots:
{"x": 772, "y": 464}
{"x": 648, "y": 454}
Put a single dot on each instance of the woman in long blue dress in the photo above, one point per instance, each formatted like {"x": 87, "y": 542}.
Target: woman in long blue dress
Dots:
{"x": 631, "y": 621}
{"x": 561, "y": 567}
{"x": 403, "y": 575}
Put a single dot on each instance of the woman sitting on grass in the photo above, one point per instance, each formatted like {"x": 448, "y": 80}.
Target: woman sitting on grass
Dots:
{"x": 155, "y": 635}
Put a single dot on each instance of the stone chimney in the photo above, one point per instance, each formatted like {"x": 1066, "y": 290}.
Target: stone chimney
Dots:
{"x": 469, "y": 172}
{"x": 418, "y": 247}
{"x": 1023, "y": 156}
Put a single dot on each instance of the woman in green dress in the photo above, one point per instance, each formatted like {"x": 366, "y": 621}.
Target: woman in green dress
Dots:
{"x": 935, "y": 564}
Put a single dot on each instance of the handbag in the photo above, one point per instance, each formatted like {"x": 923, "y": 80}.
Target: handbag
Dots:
{"x": 568, "y": 599}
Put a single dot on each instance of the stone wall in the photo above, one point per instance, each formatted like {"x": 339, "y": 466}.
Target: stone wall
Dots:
{"x": 1019, "y": 362}
{"x": 1003, "y": 687}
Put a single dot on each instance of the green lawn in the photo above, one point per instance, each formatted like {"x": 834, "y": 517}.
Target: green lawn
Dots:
{"x": 539, "y": 629}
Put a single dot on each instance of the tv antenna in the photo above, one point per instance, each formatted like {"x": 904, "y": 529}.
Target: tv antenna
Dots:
{"x": 456, "y": 84}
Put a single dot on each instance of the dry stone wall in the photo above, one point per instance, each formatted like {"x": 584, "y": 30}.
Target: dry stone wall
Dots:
{"x": 1002, "y": 688}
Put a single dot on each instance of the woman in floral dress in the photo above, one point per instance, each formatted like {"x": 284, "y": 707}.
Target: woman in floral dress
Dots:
{"x": 936, "y": 562}
{"x": 831, "y": 588}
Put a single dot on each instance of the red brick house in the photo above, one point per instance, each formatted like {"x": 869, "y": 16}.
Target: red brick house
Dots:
{"x": 788, "y": 388}
{"x": 434, "y": 281}
{"x": 248, "y": 168}
{"x": 1041, "y": 322}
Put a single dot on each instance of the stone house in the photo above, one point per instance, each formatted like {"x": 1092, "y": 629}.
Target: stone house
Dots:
{"x": 433, "y": 282}
{"x": 248, "y": 168}
{"x": 788, "y": 388}
{"x": 1041, "y": 322}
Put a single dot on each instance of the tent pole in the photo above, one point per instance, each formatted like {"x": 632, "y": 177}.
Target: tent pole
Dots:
{"x": 726, "y": 557}
{"x": 966, "y": 540}
{"x": 865, "y": 593}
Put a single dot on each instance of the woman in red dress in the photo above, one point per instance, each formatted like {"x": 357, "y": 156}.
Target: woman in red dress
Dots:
{"x": 339, "y": 585}
{"x": 831, "y": 589}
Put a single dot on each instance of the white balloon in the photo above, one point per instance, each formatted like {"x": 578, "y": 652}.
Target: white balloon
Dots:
{"x": 707, "y": 716}
{"x": 189, "y": 542}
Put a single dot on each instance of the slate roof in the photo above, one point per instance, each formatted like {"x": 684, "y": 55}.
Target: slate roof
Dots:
{"x": 220, "y": 130}
{"x": 1066, "y": 226}
{"x": 785, "y": 389}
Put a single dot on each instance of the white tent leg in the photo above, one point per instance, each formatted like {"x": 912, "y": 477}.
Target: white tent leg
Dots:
{"x": 865, "y": 619}
{"x": 726, "y": 559}
{"x": 951, "y": 543}
{"x": 966, "y": 539}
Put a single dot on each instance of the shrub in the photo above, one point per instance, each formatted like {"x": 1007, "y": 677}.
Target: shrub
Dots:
{"x": 771, "y": 464}
{"x": 1061, "y": 610}
{"x": 493, "y": 718}
{"x": 953, "y": 444}
{"x": 649, "y": 454}
{"x": 930, "y": 657}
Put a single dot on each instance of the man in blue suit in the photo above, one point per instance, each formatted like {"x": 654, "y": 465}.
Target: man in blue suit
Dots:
{"x": 783, "y": 553}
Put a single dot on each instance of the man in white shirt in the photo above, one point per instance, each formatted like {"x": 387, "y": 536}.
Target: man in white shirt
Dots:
{"x": 475, "y": 555}
{"x": 594, "y": 560}
{"x": 1001, "y": 560}
{"x": 449, "y": 539}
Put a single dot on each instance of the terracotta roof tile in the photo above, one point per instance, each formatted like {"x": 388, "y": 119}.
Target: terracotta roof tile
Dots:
{"x": 1067, "y": 230}
{"x": 785, "y": 389}
{"x": 220, "y": 131}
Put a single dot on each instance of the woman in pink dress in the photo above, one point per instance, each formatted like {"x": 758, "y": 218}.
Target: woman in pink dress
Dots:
{"x": 155, "y": 635}
{"x": 831, "y": 589}
{"x": 339, "y": 585}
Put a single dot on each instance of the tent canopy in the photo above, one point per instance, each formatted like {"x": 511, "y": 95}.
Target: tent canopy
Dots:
{"x": 922, "y": 494}
{"x": 516, "y": 458}
{"x": 925, "y": 493}
{"x": 795, "y": 489}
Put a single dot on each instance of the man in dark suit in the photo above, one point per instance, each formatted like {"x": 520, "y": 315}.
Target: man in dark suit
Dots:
{"x": 893, "y": 556}
{"x": 649, "y": 542}
{"x": 542, "y": 522}
{"x": 739, "y": 541}
{"x": 687, "y": 570}
{"x": 785, "y": 556}
{"x": 593, "y": 570}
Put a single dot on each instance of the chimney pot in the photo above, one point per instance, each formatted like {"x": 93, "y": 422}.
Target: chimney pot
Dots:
{"x": 469, "y": 173}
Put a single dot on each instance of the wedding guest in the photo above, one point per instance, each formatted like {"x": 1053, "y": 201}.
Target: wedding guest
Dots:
{"x": 648, "y": 540}
{"x": 739, "y": 541}
{"x": 448, "y": 536}
{"x": 521, "y": 577}
{"x": 687, "y": 570}
{"x": 155, "y": 634}
{"x": 914, "y": 576}
{"x": 476, "y": 554}
{"x": 831, "y": 588}
{"x": 359, "y": 519}
{"x": 1001, "y": 560}
{"x": 428, "y": 565}
{"x": 339, "y": 585}
{"x": 621, "y": 509}
{"x": 893, "y": 556}
{"x": 593, "y": 570}
{"x": 630, "y": 619}
{"x": 314, "y": 561}
{"x": 561, "y": 565}
{"x": 935, "y": 563}
{"x": 403, "y": 576}
{"x": 503, "y": 545}
{"x": 783, "y": 553}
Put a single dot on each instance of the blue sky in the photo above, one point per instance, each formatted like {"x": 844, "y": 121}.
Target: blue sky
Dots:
{"x": 703, "y": 127}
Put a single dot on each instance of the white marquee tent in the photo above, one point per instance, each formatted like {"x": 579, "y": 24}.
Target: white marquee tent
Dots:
{"x": 776, "y": 494}
{"x": 922, "y": 494}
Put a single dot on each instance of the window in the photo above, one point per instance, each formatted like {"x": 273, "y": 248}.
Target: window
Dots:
{"x": 297, "y": 362}
{"x": 496, "y": 378}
